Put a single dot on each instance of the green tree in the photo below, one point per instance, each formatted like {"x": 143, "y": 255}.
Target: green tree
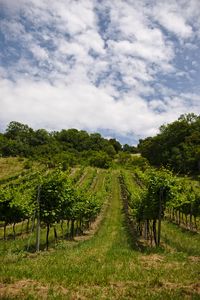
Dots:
{"x": 177, "y": 145}
{"x": 117, "y": 146}
{"x": 55, "y": 200}
{"x": 99, "y": 159}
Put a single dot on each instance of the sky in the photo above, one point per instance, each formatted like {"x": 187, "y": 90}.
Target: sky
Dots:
{"x": 119, "y": 67}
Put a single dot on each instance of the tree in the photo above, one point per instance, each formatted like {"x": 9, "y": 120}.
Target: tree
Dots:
{"x": 117, "y": 146}
{"x": 11, "y": 210}
{"x": 160, "y": 189}
{"x": 40, "y": 137}
{"x": 18, "y": 131}
{"x": 177, "y": 145}
{"x": 55, "y": 200}
{"x": 99, "y": 159}
{"x": 129, "y": 149}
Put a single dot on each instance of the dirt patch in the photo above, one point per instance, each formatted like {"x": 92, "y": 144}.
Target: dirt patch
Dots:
{"x": 187, "y": 289}
{"x": 130, "y": 289}
{"x": 194, "y": 259}
{"x": 156, "y": 261}
{"x": 153, "y": 260}
{"x": 22, "y": 289}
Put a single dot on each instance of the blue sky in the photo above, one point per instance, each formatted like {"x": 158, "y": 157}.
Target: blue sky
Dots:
{"x": 122, "y": 68}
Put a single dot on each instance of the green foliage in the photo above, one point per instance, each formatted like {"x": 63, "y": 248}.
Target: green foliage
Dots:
{"x": 177, "y": 145}
{"x": 160, "y": 187}
{"x": 117, "y": 146}
{"x": 18, "y": 131}
{"x": 14, "y": 206}
{"x": 55, "y": 193}
{"x": 130, "y": 149}
{"x": 99, "y": 159}
{"x": 107, "y": 266}
{"x": 130, "y": 161}
{"x": 52, "y": 197}
{"x": 69, "y": 147}
{"x": 153, "y": 193}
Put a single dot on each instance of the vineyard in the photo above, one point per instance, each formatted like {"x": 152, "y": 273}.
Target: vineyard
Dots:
{"x": 68, "y": 202}
{"x": 110, "y": 234}
{"x": 152, "y": 195}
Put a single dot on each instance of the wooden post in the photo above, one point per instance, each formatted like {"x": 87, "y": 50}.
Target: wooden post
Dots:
{"x": 160, "y": 215}
{"x": 47, "y": 236}
{"x": 14, "y": 233}
{"x": 4, "y": 230}
{"x": 61, "y": 225}
{"x": 27, "y": 225}
{"x": 154, "y": 232}
{"x": 22, "y": 227}
{"x": 179, "y": 217}
{"x": 72, "y": 229}
{"x": 55, "y": 233}
{"x": 145, "y": 229}
{"x": 190, "y": 216}
{"x": 38, "y": 221}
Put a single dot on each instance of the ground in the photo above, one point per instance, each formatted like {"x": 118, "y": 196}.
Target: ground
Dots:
{"x": 105, "y": 265}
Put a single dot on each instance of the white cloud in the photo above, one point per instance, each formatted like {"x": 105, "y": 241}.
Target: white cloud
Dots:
{"x": 79, "y": 66}
{"x": 38, "y": 52}
{"x": 85, "y": 106}
{"x": 81, "y": 106}
{"x": 142, "y": 50}
{"x": 170, "y": 17}
{"x": 71, "y": 48}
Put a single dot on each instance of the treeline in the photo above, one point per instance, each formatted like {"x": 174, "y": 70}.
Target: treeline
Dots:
{"x": 70, "y": 146}
{"x": 176, "y": 146}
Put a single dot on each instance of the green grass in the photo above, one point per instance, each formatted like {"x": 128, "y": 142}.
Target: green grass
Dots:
{"x": 10, "y": 166}
{"x": 107, "y": 266}
{"x": 180, "y": 239}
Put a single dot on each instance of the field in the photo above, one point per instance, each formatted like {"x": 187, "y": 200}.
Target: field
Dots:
{"x": 10, "y": 167}
{"x": 107, "y": 261}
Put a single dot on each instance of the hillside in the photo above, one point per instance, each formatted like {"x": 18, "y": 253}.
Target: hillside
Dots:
{"x": 107, "y": 262}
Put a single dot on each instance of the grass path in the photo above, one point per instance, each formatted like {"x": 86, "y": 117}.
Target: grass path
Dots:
{"x": 104, "y": 267}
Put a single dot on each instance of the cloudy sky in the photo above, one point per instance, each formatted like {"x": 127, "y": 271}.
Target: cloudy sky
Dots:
{"x": 120, "y": 67}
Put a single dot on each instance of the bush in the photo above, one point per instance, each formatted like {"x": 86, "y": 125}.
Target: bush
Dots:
{"x": 100, "y": 159}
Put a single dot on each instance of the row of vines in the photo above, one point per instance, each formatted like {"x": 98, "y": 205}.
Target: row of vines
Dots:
{"x": 68, "y": 200}
{"x": 154, "y": 195}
